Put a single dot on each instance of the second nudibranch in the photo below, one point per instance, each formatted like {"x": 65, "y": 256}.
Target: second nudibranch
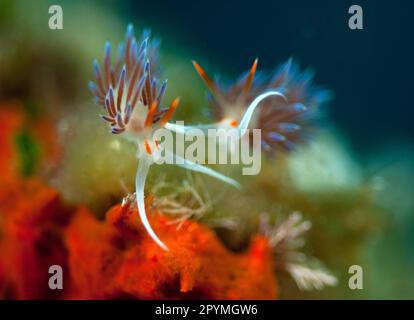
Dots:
{"x": 239, "y": 114}
{"x": 286, "y": 117}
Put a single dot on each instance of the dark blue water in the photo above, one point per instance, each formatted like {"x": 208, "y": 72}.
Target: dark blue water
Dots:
{"x": 370, "y": 71}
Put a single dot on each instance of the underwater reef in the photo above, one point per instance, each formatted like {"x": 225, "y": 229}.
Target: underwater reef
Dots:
{"x": 114, "y": 258}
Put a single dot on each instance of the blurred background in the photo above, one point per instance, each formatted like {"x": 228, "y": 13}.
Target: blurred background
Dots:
{"x": 355, "y": 182}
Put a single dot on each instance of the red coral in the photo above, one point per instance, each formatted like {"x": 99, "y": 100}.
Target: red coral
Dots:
{"x": 32, "y": 222}
{"x": 117, "y": 259}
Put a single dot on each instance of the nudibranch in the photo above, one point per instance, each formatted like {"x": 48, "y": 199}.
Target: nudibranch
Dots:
{"x": 239, "y": 107}
{"x": 284, "y": 117}
{"x": 131, "y": 98}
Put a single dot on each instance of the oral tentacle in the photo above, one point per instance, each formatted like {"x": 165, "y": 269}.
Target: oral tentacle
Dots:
{"x": 247, "y": 117}
{"x": 190, "y": 165}
{"x": 142, "y": 172}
